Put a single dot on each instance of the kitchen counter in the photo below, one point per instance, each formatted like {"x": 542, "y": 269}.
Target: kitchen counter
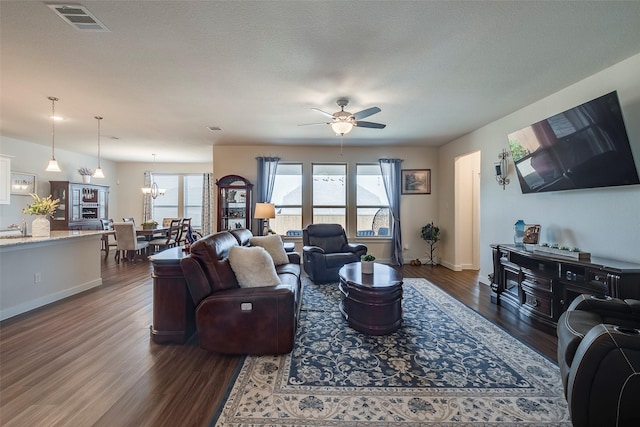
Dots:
{"x": 10, "y": 240}
{"x": 36, "y": 271}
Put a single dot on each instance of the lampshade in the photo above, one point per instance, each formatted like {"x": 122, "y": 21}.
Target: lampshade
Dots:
{"x": 53, "y": 163}
{"x": 265, "y": 211}
{"x": 98, "y": 173}
{"x": 341, "y": 127}
{"x": 53, "y": 166}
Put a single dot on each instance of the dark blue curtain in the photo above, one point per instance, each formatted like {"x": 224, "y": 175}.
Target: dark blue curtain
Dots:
{"x": 264, "y": 186}
{"x": 391, "y": 176}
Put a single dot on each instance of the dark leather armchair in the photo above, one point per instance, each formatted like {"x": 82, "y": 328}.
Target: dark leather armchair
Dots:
{"x": 326, "y": 250}
{"x": 599, "y": 359}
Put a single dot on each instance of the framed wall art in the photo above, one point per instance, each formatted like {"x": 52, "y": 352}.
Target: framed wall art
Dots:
{"x": 531, "y": 234}
{"x": 23, "y": 183}
{"x": 416, "y": 181}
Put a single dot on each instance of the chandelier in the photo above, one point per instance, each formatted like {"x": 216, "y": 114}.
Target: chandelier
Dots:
{"x": 154, "y": 191}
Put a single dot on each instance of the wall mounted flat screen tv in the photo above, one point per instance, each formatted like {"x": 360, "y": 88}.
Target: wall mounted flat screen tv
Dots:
{"x": 584, "y": 147}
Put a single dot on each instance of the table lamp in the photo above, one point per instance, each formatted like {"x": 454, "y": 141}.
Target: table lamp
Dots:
{"x": 265, "y": 211}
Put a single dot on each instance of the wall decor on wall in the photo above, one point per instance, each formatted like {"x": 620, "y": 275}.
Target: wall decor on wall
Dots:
{"x": 23, "y": 183}
{"x": 416, "y": 181}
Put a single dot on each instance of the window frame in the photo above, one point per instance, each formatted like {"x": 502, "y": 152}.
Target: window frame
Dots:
{"x": 181, "y": 197}
{"x": 302, "y": 191}
{"x": 346, "y": 208}
{"x": 367, "y": 206}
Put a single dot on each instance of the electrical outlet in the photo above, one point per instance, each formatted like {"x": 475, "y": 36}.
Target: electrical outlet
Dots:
{"x": 37, "y": 278}
{"x": 406, "y": 247}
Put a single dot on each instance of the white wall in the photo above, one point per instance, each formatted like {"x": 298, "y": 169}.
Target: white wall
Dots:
{"x": 33, "y": 158}
{"x": 124, "y": 179}
{"x": 415, "y": 210}
{"x": 605, "y": 221}
{"x": 130, "y": 179}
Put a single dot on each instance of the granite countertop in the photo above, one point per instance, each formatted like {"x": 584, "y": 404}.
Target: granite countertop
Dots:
{"x": 55, "y": 235}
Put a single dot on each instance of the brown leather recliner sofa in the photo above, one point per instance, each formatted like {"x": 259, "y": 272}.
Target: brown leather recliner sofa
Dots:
{"x": 599, "y": 359}
{"x": 235, "y": 320}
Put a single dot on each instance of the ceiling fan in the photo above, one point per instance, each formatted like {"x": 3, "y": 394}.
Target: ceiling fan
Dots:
{"x": 343, "y": 121}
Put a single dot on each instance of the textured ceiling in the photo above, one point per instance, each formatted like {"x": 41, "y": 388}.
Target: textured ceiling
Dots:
{"x": 168, "y": 69}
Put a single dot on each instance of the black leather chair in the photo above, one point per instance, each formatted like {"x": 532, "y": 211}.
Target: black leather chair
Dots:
{"x": 326, "y": 250}
{"x": 599, "y": 359}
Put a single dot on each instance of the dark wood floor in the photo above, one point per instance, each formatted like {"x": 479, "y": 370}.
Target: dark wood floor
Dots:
{"x": 88, "y": 360}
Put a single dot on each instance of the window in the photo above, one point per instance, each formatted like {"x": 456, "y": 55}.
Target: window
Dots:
{"x": 329, "y": 194}
{"x": 372, "y": 206}
{"x": 287, "y": 197}
{"x": 183, "y": 198}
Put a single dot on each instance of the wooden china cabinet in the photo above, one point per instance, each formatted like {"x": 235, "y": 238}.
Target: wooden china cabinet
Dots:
{"x": 81, "y": 205}
{"x": 234, "y": 202}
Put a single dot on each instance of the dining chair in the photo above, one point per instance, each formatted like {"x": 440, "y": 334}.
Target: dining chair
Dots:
{"x": 128, "y": 245}
{"x": 132, "y": 220}
{"x": 107, "y": 242}
{"x": 171, "y": 239}
{"x": 167, "y": 221}
{"x": 185, "y": 229}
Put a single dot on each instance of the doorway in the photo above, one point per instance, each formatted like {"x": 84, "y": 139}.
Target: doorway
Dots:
{"x": 467, "y": 211}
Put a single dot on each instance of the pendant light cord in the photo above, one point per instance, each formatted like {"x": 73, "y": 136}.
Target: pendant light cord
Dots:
{"x": 53, "y": 127}
{"x": 98, "y": 118}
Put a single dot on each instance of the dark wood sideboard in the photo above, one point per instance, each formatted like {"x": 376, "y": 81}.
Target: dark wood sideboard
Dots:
{"x": 173, "y": 308}
{"x": 541, "y": 286}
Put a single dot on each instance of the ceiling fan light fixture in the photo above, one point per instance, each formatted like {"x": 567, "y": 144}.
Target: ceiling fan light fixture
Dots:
{"x": 341, "y": 127}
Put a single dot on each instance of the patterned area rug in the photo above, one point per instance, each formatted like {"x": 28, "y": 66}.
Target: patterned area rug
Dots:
{"x": 445, "y": 365}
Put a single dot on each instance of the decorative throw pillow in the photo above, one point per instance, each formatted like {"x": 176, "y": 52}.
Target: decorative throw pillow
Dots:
{"x": 253, "y": 267}
{"x": 273, "y": 244}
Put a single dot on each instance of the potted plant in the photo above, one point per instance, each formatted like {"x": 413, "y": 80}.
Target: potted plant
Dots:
{"x": 149, "y": 225}
{"x": 431, "y": 234}
{"x": 367, "y": 263}
{"x": 42, "y": 208}
{"x": 86, "y": 174}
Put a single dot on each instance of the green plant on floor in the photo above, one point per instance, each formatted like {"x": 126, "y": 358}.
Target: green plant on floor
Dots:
{"x": 431, "y": 234}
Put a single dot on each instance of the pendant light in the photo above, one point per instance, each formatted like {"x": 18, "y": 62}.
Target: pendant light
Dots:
{"x": 98, "y": 173}
{"x": 154, "y": 191}
{"x": 53, "y": 163}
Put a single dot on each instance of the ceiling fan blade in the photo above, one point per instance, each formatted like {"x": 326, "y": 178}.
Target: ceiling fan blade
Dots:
{"x": 323, "y": 112}
{"x": 313, "y": 124}
{"x": 366, "y": 113}
{"x": 369, "y": 125}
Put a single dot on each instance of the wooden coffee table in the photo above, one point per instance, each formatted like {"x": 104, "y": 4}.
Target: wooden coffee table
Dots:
{"x": 371, "y": 303}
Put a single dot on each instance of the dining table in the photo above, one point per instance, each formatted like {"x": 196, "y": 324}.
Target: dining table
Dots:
{"x": 147, "y": 233}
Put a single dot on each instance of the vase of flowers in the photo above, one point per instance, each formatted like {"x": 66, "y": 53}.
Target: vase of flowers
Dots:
{"x": 366, "y": 262}
{"x": 42, "y": 208}
{"x": 149, "y": 225}
{"x": 85, "y": 173}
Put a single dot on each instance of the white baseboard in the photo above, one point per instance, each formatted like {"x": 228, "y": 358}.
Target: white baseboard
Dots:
{"x": 47, "y": 299}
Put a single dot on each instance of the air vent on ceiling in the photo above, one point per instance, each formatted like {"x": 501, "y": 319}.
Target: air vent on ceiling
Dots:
{"x": 214, "y": 128}
{"x": 78, "y": 17}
